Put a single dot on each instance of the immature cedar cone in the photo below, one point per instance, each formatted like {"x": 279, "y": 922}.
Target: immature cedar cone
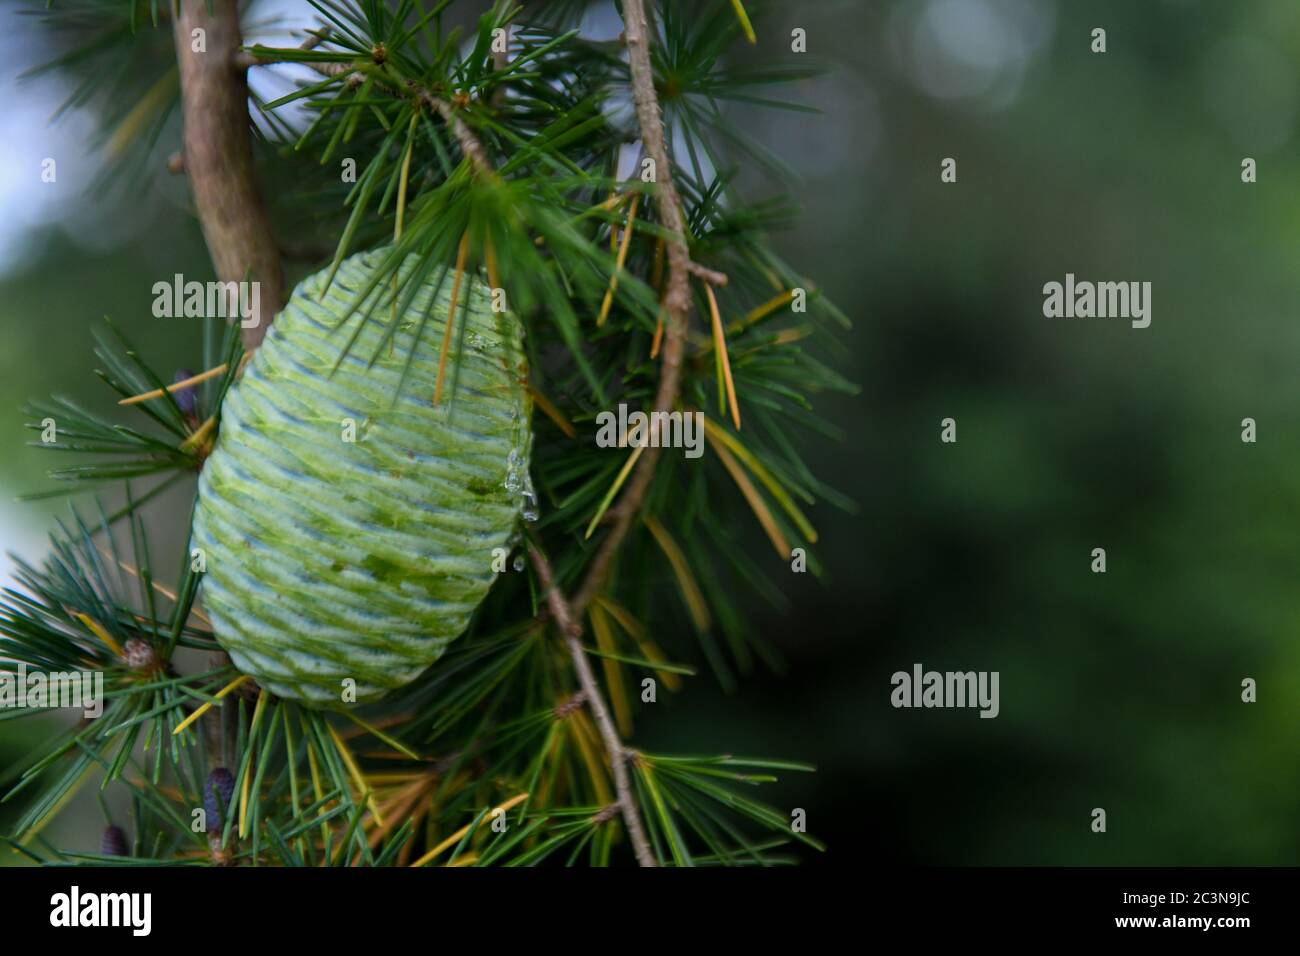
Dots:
{"x": 113, "y": 842}
{"x": 216, "y": 798}
{"x": 187, "y": 399}
{"x": 348, "y": 521}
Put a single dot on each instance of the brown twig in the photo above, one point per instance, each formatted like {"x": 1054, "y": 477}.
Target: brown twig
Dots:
{"x": 243, "y": 59}
{"x": 218, "y": 154}
{"x": 571, "y": 630}
{"x": 711, "y": 276}
{"x": 470, "y": 144}
{"x": 217, "y": 159}
{"x": 676, "y": 301}
{"x": 677, "y": 304}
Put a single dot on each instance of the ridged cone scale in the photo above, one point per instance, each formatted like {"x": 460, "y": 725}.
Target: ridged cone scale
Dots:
{"x": 327, "y": 559}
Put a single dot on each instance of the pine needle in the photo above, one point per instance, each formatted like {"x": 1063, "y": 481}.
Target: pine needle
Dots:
{"x": 790, "y": 336}
{"x": 651, "y": 651}
{"x": 490, "y": 260}
{"x": 550, "y": 411}
{"x": 743, "y": 17}
{"x": 613, "y": 489}
{"x": 315, "y": 781}
{"x": 720, "y": 434}
{"x": 720, "y": 345}
{"x": 459, "y": 834}
{"x": 756, "y": 503}
{"x": 293, "y": 764}
{"x": 176, "y": 386}
{"x": 376, "y": 732}
{"x": 100, "y": 633}
{"x": 613, "y": 672}
{"x": 207, "y": 705}
{"x": 402, "y": 182}
{"x": 588, "y": 743}
{"x": 758, "y": 313}
{"x": 57, "y": 807}
{"x": 258, "y": 710}
{"x": 367, "y": 794}
{"x": 199, "y": 435}
{"x": 401, "y": 206}
{"x": 691, "y": 594}
{"x": 134, "y": 123}
{"x": 166, "y": 592}
{"x": 618, "y": 263}
{"x": 402, "y": 807}
{"x": 461, "y": 254}
{"x": 656, "y": 283}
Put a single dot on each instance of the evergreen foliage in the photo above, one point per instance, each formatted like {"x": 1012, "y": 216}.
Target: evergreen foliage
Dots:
{"x": 522, "y": 167}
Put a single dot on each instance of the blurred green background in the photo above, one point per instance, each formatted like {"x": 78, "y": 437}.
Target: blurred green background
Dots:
{"x": 1120, "y": 690}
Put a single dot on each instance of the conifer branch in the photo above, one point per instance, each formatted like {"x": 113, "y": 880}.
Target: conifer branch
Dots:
{"x": 243, "y": 59}
{"x": 218, "y": 154}
{"x": 676, "y": 301}
{"x": 556, "y": 144}
{"x": 469, "y": 143}
{"x": 618, "y": 754}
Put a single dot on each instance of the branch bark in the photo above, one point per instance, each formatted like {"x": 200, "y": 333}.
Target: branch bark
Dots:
{"x": 676, "y": 302}
{"x": 217, "y": 159}
{"x": 218, "y": 155}
{"x": 677, "y": 305}
{"x": 571, "y": 630}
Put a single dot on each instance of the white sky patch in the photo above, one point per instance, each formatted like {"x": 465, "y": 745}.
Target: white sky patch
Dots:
{"x": 20, "y": 533}
{"x": 282, "y": 24}
{"x": 27, "y": 138}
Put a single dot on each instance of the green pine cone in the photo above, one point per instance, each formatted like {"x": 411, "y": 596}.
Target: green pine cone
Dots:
{"x": 328, "y": 559}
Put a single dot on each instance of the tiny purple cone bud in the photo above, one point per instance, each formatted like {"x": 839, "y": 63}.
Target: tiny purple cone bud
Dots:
{"x": 187, "y": 400}
{"x": 217, "y": 796}
{"x": 113, "y": 842}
